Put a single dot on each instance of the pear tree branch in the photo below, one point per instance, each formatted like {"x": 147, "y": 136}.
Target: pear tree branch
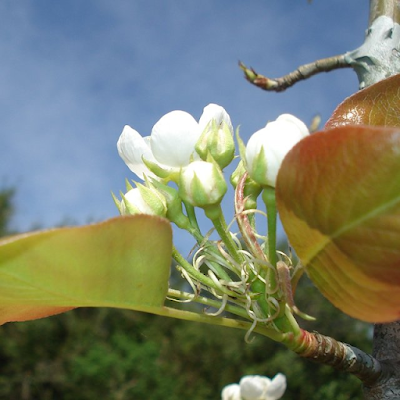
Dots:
{"x": 376, "y": 59}
{"x": 301, "y": 73}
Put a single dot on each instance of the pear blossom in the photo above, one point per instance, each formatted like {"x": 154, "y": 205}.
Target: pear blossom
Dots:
{"x": 216, "y": 113}
{"x": 267, "y": 148}
{"x": 256, "y": 387}
{"x": 143, "y": 200}
{"x": 253, "y": 387}
{"x": 231, "y": 392}
{"x": 217, "y": 136}
{"x": 171, "y": 144}
{"x": 202, "y": 184}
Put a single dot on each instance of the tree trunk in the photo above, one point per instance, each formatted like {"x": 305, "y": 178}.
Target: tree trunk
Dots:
{"x": 387, "y": 351}
{"x": 386, "y": 343}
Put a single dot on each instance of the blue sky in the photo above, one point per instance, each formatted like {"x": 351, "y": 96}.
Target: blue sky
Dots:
{"x": 73, "y": 73}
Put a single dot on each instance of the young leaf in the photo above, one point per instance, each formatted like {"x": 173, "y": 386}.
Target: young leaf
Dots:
{"x": 123, "y": 262}
{"x": 338, "y": 194}
{"x": 378, "y": 104}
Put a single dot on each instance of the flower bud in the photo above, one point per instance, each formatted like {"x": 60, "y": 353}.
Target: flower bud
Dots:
{"x": 143, "y": 200}
{"x": 202, "y": 184}
{"x": 268, "y": 147}
{"x": 174, "y": 204}
{"x": 217, "y": 136}
{"x": 251, "y": 188}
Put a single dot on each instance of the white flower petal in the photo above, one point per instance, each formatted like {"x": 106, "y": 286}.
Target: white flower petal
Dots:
{"x": 276, "y": 140}
{"x": 300, "y": 125}
{"x": 231, "y": 392}
{"x": 277, "y": 387}
{"x": 253, "y": 387}
{"x": 131, "y": 147}
{"x": 216, "y": 112}
{"x": 173, "y": 138}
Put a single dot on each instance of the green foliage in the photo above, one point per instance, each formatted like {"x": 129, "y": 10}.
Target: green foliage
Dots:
{"x": 116, "y": 354}
{"x": 338, "y": 197}
{"x": 90, "y": 353}
{"x": 6, "y": 210}
{"x": 123, "y": 262}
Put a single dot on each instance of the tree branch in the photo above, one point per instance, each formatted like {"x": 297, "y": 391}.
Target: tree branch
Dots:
{"x": 343, "y": 357}
{"x": 376, "y": 59}
{"x": 301, "y": 73}
{"x": 389, "y": 8}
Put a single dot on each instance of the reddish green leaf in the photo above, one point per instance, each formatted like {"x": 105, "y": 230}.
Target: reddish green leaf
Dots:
{"x": 338, "y": 194}
{"x": 123, "y": 262}
{"x": 378, "y": 104}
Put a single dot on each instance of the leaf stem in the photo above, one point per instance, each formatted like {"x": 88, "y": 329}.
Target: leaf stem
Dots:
{"x": 220, "y": 321}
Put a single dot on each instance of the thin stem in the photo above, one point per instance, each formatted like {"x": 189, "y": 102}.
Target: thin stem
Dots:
{"x": 208, "y": 248}
{"x": 208, "y": 302}
{"x": 303, "y": 72}
{"x": 197, "y": 275}
{"x": 243, "y": 221}
{"x": 270, "y": 204}
{"x": 223, "y": 232}
{"x": 191, "y": 213}
{"x": 221, "y": 321}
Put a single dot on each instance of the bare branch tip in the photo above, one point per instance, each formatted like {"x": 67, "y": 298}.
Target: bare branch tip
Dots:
{"x": 256, "y": 79}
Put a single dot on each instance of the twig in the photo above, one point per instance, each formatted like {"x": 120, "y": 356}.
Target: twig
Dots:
{"x": 303, "y": 72}
{"x": 343, "y": 357}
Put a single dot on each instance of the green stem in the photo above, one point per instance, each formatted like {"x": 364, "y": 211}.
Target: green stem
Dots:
{"x": 191, "y": 213}
{"x": 197, "y": 275}
{"x": 268, "y": 197}
{"x": 221, "y": 321}
{"x": 220, "y": 271}
{"x": 208, "y": 302}
{"x": 218, "y": 220}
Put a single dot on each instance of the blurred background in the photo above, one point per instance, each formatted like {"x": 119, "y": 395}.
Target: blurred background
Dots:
{"x": 72, "y": 74}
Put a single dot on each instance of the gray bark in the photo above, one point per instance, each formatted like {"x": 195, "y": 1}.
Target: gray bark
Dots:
{"x": 379, "y": 56}
{"x": 376, "y": 59}
{"x": 387, "y": 350}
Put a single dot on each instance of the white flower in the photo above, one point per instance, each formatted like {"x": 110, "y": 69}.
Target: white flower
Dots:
{"x": 276, "y": 388}
{"x": 231, "y": 392}
{"x": 143, "y": 200}
{"x": 202, "y": 184}
{"x": 216, "y": 113}
{"x": 217, "y": 136}
{"x": 171, "y": 144}
{"x": 173, "y": 138}
{"x": 255, "y": 387}
{"x": 268, "y": 147}
{"x": 131, "y": 148}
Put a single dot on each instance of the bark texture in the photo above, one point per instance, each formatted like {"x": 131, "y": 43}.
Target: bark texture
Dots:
{"x": 386, "y": 344}
{"x": 387, "y": 350}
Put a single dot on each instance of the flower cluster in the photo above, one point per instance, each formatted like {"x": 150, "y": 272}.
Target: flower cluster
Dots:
{"x": 182, "y": 163}
{"x": 193, "y": 154}
{"x": 255, "y": 387}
